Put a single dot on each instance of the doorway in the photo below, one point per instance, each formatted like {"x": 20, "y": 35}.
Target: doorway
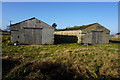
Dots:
{"x": 32, "y": 36}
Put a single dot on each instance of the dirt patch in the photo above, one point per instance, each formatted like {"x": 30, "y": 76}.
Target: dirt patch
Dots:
{"x": 7, "y": 64}
{"x": 43, "y": 70}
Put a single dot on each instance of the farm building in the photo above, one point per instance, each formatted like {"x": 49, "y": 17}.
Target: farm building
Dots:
{"x": 91, "y": 34}
{"x": 32, "y": 31}
{"x": 117, "y": 35}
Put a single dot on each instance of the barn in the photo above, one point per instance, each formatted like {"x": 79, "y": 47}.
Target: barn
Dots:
{"x": 91, "y": 34}
{"x": 117, "y": 35}
{"x": 32, "y": 31}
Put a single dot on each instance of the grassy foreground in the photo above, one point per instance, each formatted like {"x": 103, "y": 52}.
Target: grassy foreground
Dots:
{"x": 60, "y": 61}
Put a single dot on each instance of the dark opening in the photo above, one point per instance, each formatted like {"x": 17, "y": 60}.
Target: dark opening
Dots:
{"x": 65, "y": 39}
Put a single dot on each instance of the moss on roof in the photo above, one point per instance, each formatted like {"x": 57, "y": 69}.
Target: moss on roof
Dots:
{"x": 76, "y": 27}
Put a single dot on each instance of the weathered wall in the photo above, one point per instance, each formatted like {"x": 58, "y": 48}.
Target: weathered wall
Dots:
{"x": 18, "y": 31}
{"x": 47, "y": 36}
{"x": 34, "y": 23}
{"x": 14, "y": 36}
{"x": 87, "y": 38}
{"x": 117, "y": 36}
{"x": 17, "y": 36}
{"x": 73, "y": 33}
{"x": 21, "y": 36}
{"x": 106, "y": 37}
{"x": 86, "y": 35}
{"x": 33, "y": 36}
{"x": 16, "y": 27}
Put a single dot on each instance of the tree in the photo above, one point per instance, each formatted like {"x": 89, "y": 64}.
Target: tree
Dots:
{"x": 54, "y": 25}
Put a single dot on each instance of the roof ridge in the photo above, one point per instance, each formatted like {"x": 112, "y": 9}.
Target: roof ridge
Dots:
{"x": 31, "y": 19}
{"x": 24, "y": 20}
{"x": 79, "y": 27}
{"x": 44, "y": 22}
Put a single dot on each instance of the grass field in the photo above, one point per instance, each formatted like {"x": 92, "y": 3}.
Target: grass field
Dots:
{"x": 60, "y": 61}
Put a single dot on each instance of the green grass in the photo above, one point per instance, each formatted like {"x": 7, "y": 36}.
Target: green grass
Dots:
{"x": 78, "y": 62}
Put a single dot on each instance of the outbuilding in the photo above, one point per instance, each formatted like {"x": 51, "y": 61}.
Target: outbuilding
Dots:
{"x": 91, "y": 34}
{"x": 32, "y": 31}
{"x": 117, "y": 35}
